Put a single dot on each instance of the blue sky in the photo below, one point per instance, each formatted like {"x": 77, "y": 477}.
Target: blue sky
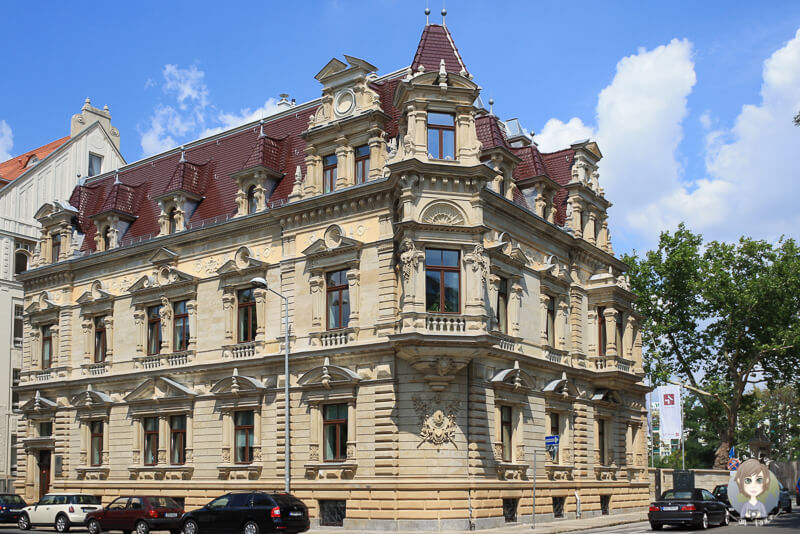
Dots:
{"x": 691, "y": 101}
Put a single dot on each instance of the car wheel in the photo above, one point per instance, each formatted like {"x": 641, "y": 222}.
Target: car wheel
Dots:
{"x": 656, "y": 526}
{"x": 726, "y": 520}
{"x": 93, "y": 526}
{"x": 24, "y": 522}
{"x": 704, "y": 521}
{"x": 190, "y": 527}
{"x": 62, "y": 523}
{"x": 251, "y": 527}
{"x": 142, "y": 527}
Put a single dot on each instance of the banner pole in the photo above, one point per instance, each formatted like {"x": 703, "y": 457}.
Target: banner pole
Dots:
{"x": 683, "y": 448}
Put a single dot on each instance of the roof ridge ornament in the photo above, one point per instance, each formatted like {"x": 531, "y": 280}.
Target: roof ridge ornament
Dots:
{"x": 261, "y": 133}
{"x": 427, "y": 16}
{"x": 444, "y": 14}
{"x": 183, "y": 154}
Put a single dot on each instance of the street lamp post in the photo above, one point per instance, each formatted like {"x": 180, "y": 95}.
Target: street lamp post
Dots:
{"x": 262, "y": 283}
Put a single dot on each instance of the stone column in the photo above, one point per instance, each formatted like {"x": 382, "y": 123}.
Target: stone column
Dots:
{"x": 589, "y": 231}
{"x": 260, "y": 193}
{"x": 189, "y": 438}
{"x": 166, "y": 325}
{"x": 56, "y": 357}
{"x": 106, "y": 437}
{"x": 591, "y": 325}
{"x": 477, "y": 270}
{"x": 603, "y": 241}
{"x": 261, "y": 314}
{"x": 514, "y": 308}
{"x": 229, "y": 311}
{"x": 313, "y": 182}
{"x": 577, "y": 217}
{"x": 227, "y": 442}
{"x": 354, "y": 286}
{"x": 377, "y": 154}
{"x": 140, "y": 322}
{"x": 344, "y": 169}
{"x": 416, "y": 141}
{"x": 108, "y": 323}
{"x": 66, "y": 242}
{"x": 627, "y": 338}
{"x": 494, "y": 290}
{"x": 544, "y": 302}
{"x": 317, "y": 289}
{"x": 163, "y": 439}
{"x": 314, "y": 439}
{"x": 562, "y": 323}
{"x": 351, "y": 429}
{"x": 610, "y": 317}
{"x": 87, "y": 328}
{"x": 136, "y": 458}
{"x": 576, "y": 324}
{"x": 256, "y": 436}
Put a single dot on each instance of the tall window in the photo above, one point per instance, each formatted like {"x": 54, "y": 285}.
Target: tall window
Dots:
{"x": 107, "y": 238}
{"x": 362, "y": 164}
{"x": 150, "y": 440}
{"x": 247, "y": 323}
{"x": 96, "y": 446}
{"x": 338, "y": 299}
{"x": 47, "y": 347}
{"x": 329, "y": 164}
{"x": 601, "y": 331}
{"x": 619, "y": 333}
{"x": 177, "y": 439}
{"x": 442, "y": 280}
{"x": 20, "y": 262}
{"x": 334, "y": 429}
{"x": 153, "y": 330}
{"x": 181, "y": 315}
{"x": 95, "y": 164}
{"x": 252, "y": 203}
{"x": 100, "y": 339}
{"x": 551, "y": 322}
{"x": 441, "y": 136}
{"x": 56, "y": 247}
{"x": 243, "y": 432}
{"x": 173, "y": 223}
{"x": 555, "y": 430}
{"x": 17, "y": 325}
{"x": 502, "y": 305}
{"x": 601, "y": 440}
{"x": 506, "y": 432}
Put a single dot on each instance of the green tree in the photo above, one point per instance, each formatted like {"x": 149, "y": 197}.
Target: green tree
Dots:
{"x": 718, "y": 317}
{"x": 777, "y": 411}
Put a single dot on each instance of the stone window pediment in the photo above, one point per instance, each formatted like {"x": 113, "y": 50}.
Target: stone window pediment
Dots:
{"x": 39, "y": 407}
{"x": 91, "y": 404}
{"x": 238, "y": 391}
{"x": 43, "y": 310}
{"x": 96, "y": 301}
{"x": 328, "y": 378}
{"x": 159, "y": 394}
{"x": 167, "y": 281}
{"x": 443, "y": 213}
{"x": 561, "y": 388}
{"x": 507, "y": 254}
{"x": 334, "y": 248}
{"x": 514, "y": 380}
{"x": 239, "y": 270}
{"x": 607, "y": 397}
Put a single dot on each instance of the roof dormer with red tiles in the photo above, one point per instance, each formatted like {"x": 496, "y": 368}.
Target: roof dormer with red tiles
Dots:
{"x": 259, "y": 175}
{"x": 117, "y": 213}
{"x": 184, "y": 192}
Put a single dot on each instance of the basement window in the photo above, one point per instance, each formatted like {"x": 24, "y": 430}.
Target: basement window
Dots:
{"x": 510, "y": 510}
{"x": 332, "y": 513}
{"x": 558, "y": 507}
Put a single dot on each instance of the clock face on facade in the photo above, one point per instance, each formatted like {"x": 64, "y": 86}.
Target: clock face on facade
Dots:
{"x": 344, "y": 103}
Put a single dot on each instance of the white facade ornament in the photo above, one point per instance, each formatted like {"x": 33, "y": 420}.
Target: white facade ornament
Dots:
{"x": 409, "y": 258}
{"x": 442, "y": 213}
{"x": 437, "y": 426}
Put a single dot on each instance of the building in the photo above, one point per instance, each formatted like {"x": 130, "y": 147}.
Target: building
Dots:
{"x": 26, "y": 182}
{"x": 453, "y": 299}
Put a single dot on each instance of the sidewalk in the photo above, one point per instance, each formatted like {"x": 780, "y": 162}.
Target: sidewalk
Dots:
{"x": 553, "y": 527}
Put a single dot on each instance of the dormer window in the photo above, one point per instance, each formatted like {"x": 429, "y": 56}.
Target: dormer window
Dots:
{"x": 252, "y": 202}
{"x": 362, "y": 164}
{"x": 20, "y": 262}
{"x": 329, "y": 165}
{"x": 107, "y": 238}
{"x": 55, "y": 249}
{"x": 441, "y": 136}
{"x": 32, "y": 161}
{"x": 173, "y": 221}
{"x": 95, "y": 165}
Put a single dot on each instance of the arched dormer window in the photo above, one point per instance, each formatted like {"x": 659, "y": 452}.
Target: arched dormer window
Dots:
{"x": 107, "y": 238}
{"x": 173, "y": 224}
{"x": 55, "y": 251}
{"x": 252, "y": 202}
{"x": 20, "y": 262}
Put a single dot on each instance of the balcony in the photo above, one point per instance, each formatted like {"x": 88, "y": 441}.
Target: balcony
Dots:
{"x": 611, "y": 363}
{"x": 557, "y": 356}
{"x": 44, "y": 375}
{"x": 171, "y": 359}
{"x": 504, "y": 341}
{"x": 333, "y": 338}
{"x": 239, "y": 351}
{"x": 95, "y": 369}
{"x": 445, "y": 324}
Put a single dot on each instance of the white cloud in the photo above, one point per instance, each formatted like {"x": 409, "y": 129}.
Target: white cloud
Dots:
{"x": 705, "y": 120}
{"x": 231, "y": 120}
{"x": 557, "y": 135}
{"x": 188, "y": 84}
{"x": 6, "y": 141}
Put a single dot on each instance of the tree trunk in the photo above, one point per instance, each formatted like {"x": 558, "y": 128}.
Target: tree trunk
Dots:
{"x": 722, "y": 452}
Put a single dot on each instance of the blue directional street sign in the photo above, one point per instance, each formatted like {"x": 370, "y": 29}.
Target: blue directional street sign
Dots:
{"x": 550, "y": 441}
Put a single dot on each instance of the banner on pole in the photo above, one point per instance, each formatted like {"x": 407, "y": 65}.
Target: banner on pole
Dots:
{"x": 670, "y": 400}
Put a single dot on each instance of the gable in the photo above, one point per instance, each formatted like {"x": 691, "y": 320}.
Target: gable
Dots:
{"x": 159, "y": 389}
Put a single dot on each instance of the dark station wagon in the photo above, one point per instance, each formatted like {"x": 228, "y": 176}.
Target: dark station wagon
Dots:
{"x": 693, "y": 507}
{"x": 10, "y": 507}
{"x": 249, "y": 513}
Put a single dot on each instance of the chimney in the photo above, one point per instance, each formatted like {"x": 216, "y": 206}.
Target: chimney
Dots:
{"x": 283, "y": 103}
{"x": 88, "y": 116}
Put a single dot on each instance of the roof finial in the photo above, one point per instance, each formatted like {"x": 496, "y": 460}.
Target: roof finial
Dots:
{"x": 262, "y": 134}
{"x": 444, "y": 14}
{"x": 183, "y": 154}
{"x": 491, "y": 106}
{"x": 116, "y": 177}
{"x": 427, "y": 16}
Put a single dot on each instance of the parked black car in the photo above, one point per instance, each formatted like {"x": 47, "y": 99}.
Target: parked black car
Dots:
{"x": 248, "y": 513}
{"x": 696, "y": 507}
{"x": 10, "y": 507}
{"x": 784, "y": 501}
{"x": 721, "y": 493}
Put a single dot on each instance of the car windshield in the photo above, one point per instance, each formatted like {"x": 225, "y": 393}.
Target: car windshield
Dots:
{"x": 723, "y": 490}
{"x": 85, "y": 499}
{"x": 680, "y": 495}
{"x": 12, "y": 499}
{"x": 162, "y": 502}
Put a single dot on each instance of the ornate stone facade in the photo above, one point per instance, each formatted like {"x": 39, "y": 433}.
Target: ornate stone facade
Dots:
{"x": 476, "y": 323}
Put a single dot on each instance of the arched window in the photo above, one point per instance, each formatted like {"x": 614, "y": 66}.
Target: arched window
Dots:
{"x": 173, "y": 224}
{"x": 252, "y": 203}
{"x": 107, "y": 238}
{"x": 20, "y": 262}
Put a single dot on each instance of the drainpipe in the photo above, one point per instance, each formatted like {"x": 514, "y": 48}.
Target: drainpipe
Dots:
{"x": 577, "y": 506}
{"x": 469, "y": 479}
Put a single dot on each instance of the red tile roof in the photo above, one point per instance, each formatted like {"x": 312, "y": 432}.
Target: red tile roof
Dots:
{"x": 123, "y": 198}
{"x": 559, "y": 168}
{"x": 436, "y": 44}
{"x": 18, "y": 165}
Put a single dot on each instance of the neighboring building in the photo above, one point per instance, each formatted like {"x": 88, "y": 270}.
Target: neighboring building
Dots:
{"x": 453, "y": 300}
{"x": 26, "y": 182}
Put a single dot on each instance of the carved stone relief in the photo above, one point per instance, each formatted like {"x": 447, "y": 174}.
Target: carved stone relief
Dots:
{"x": 441, "y": 213}
{"x": 437, "y": 421}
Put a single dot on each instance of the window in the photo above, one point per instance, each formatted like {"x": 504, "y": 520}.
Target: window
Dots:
{"x": 96, "y": 435}
{"x": 177, "y": 440}
{"x": 362, "y": 164}
{"x": 619, "y": 332}
{"x": 247, "y": 323}
{"x": 153, "y": 330}
{"x": 601, "y": 332}
{"x": 338, "y": 299}
{"x": 334, "y": 430}
{"x": 173, "y": 223}
{"x": 605, "y": 504}
{"x": 252, "y": 203}
{"x": 555, "y": 430}
{"x": 99, "y": 339}
{"x": 181, "y": 326}
{"x": 118, "y": 504}
{"x": 95, "y": 164}
{"x": 47, "y": 347}
{"x": 601, "y": 440}
{"x": 243, "y": 434}
{"x": 45, "y": 429}
{"x": 510, "y": 510}
{"x": 502, "y": 305}
{"x": 332, "y": 513}
{"x": 56, "y": 247}
{"x": 18, "y": 325}
{"x": 329, "y": 164}
{"x": 442, "y": 280}
{"x": 135, "y": 504}
{"x": 550, "y": 325}
{"x": 20, "y": 262}
{"x": 150, "y": 440}
{"x": 558, "y": 507}
{"x": 441, "y": 136}
{"x": 506, "y": 432}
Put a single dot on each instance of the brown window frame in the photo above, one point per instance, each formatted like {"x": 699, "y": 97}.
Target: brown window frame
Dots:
{"x": 619, "y": 334}
{"x": 150, "y": 440}
{"x": 329, "y": 173}
{"x": 506, "y": 429}
{"x": 173, "y": 224}
{"x": 550, "y": 322}
{"x": 342, "y": 290}
{"x": 502, "y": 305}
{"x": 99, "y": 436}
{"x": 18, "y": 327}
{"x": 361, "y": 164}
{"x": 441, "y": 269}
{"x": 601, "y": 440}
{"x": 440, "y": 128}
{"x": 252, "y": 202}
{"x": 55, "y": 247}
{"x": 602, "y": 334}
{"x": 100, "y": 331}
{"x": 177, "y": 441}
{"x": 184, "y": 325}
{"x": 249, "y": 309}
{"x": 47, "y": 341}
{"x": 249, "y": 438}
{"x": 340, "y": 426}
{"x": 107, "y": 238}
{"x": 153, "y": 321}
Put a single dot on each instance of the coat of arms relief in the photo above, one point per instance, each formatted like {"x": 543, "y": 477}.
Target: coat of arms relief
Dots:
{"x": 437, "y": 420}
